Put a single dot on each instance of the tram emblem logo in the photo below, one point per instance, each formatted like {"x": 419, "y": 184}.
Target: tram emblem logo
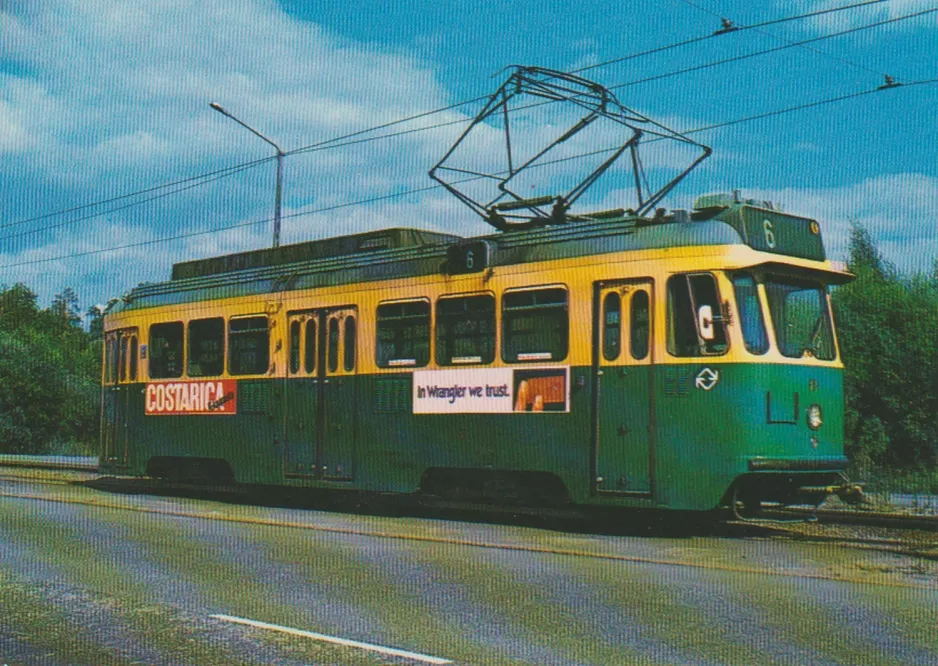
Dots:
{"x": 706, "y": 379}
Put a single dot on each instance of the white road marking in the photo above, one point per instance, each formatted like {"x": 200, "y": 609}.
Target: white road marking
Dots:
{"x": 416, "y": 656}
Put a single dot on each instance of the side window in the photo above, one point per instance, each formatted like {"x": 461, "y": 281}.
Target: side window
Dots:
{"x": 750, "y": 314}
{"x": 535, "y": 325}
{"x": 612, "y": 326}
{"x": 403, "y": 334}
{"x": 128, "y": 356}
{"x": 639, "y": 325}
{"x": 123, "y": 358}
{"x": 350, "y": 343}
{"x": 695, "y": 322}
{"x": 465, "y": 329}
{"x": 206, "y": 348}
{"x": 133, "y": 357}
{"x": 110, "y": 359}
{"x": 309, "y": 360}
{"x": 166, "y": 350}
{"x": 295, "y": 346}
{"x": 248, "y": 346}
{"x": 333, "y": 344}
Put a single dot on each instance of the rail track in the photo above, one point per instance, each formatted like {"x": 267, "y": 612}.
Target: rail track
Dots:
{"x": 80, "y": 472}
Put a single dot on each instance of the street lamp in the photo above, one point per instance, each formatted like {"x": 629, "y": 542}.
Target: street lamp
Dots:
{"x": 280, "y": 153}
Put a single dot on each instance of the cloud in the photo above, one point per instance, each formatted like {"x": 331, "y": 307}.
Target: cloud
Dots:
{"x": 899, "y": 210}
{"x": 866, "y": 15}
{"x": 102, "y": 97}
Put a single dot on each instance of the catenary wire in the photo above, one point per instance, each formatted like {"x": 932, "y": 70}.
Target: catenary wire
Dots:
{"x": 233, "y": 168}
{"x": 766, "y": 33}
{"x": 746, "y": 56}
{"x": 340, "y": 141}
{"x": 395, "y": 195}
{"x": 40, "y": 230}
{"x": 720, "y": 33}
{"x": 621, "y": 85}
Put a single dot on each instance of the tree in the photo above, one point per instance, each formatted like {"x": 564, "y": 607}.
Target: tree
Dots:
{"x": 95, "y": 315}
{"x": 49, "y": 374}
{"x": 887, "y": 326}
{"x": 65, "y": 307}
{"x": 18, "y": 307}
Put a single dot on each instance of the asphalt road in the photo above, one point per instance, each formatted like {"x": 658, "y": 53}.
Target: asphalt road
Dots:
{"x": 92, "y": 578}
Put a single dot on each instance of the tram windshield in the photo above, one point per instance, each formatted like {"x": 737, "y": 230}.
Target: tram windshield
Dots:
{"x": 801, "y": 318}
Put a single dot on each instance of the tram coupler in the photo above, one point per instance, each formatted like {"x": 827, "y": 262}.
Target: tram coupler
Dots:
{"x": 849, "y": 493}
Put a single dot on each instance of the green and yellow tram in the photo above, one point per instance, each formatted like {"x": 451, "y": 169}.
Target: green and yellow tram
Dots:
{"x": 684, "y": 360}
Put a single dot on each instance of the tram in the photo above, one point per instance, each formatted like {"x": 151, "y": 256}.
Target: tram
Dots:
{"x": 634, "y": 357}
{"x": 685, "y": 360}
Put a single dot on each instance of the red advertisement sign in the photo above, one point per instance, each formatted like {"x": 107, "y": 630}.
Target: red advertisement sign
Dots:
{"x": 217, "y": 396}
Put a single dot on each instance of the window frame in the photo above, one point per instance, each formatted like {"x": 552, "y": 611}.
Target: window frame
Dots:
{"x": 182, "y": 349}
{"x": 760, "y": 308}
{"x": 436, "y": 330}
{"x": 647, "y": 294}
{"x": 502, "y": 325}
{"x": 718, "y": 319}
{"x": 806, "y": 283}
{"x": 230, "y": 348}
{"x": 310, "y": 365}
{"x": 401, "y": 362}
{"x": 611, "y": 349}
{"x": 224, "y": 346}
{"x": 350, "y": 351}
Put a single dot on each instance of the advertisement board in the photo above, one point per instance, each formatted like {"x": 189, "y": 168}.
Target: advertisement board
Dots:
{"x": 216, "y": 396}
{"x": 491, "y": 390}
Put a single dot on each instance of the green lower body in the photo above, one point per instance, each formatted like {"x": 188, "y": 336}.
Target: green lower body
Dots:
{"x": 638, "y": 436}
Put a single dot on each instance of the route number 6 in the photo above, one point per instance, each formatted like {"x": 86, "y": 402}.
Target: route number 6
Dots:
{"x": 769, "y": 233}
{"x": 470, "y": 260}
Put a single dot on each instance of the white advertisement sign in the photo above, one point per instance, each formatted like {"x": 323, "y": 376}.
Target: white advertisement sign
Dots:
{"x": 491, "y": 390}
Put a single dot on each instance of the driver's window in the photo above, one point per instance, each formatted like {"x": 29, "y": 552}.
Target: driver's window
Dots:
{"x": 695, "y": 320}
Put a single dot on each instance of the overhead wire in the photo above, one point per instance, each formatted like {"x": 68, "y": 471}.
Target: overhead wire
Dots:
{"x": 746, "y": 56}
{"x": 395, "y": 195}
{"x": 162, "y": 195}
{"x": 733, "y": 28}
{"x": 233, "y": 168}
{"x": 341, "y": 141}
{"x": 205, "y": 178}
{"x": 756, "y": 28}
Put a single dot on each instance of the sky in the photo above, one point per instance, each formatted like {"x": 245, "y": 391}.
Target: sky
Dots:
{"x": 101, "y": 99}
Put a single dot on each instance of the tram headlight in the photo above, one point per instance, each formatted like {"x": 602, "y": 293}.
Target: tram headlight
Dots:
{"x": 814, "y": 417}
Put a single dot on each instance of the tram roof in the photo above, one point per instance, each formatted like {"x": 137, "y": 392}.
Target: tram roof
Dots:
{"x": 401, "y": 253}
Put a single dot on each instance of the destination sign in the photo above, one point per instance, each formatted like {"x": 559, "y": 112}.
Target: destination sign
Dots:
{"x": 780, "y": 233}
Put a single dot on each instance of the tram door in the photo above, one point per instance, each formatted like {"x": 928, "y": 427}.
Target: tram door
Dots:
{"x": 120, "y": 373}
{"x": 321, "y": 394}
{"x": 623, "y": 431}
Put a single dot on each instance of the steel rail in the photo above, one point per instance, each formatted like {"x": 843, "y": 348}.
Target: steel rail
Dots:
{"x": 137, "y": 485}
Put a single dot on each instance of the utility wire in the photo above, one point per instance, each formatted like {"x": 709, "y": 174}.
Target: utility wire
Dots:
{"x": 341, "y": 140}
{"x": 716, "y": 63}
{"x": 204, "y": 179}
{"x": 754, "y": 54}
{"x": 233, "y": 168}
{"x": 782, "y": 39}
{"x": 725, "y": 31}
{"x": 162, "y": 195}
{"x": 629, "y": 83}
{"x": 768, "y": 114}
{"x": 322, "y": 144}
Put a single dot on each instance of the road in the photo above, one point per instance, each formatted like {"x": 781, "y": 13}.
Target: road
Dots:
{"x": 88, "y": 577}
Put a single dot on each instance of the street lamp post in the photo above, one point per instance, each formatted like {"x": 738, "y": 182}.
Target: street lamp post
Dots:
{"x": 280, "y": 154}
